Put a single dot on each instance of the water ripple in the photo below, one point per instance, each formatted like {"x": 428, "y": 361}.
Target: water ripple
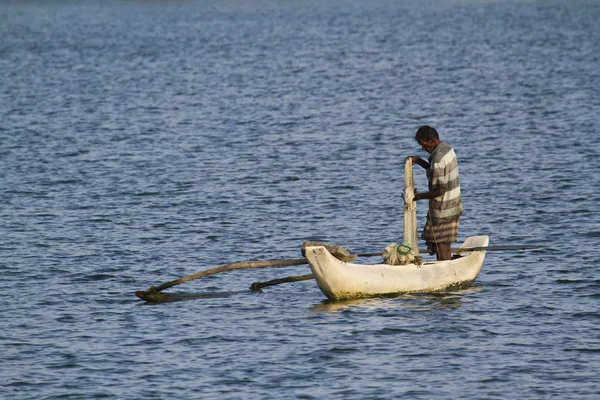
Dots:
{"x": 142, "y": 143}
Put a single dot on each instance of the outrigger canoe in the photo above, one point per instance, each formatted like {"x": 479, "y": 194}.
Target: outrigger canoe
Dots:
{"x": 344, "y": 280}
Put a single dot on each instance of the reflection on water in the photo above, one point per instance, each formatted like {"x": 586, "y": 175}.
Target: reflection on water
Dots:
{"x": 412, "y": 301}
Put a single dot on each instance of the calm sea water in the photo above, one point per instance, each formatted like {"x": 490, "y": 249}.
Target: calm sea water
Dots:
{"x": 141, "y": 141}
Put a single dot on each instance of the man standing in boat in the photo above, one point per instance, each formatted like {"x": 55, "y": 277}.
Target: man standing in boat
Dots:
{"x": 445, "y": 204}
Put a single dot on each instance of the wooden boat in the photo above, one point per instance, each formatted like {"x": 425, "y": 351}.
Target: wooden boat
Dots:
{"x": 344, "y": 280}
{"x": 341, "y": 280}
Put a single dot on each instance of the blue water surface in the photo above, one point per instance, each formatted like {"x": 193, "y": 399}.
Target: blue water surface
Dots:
{"x": 142, "y": 141}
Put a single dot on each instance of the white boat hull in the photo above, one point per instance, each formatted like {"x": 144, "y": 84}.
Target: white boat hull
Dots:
{"x": 341, "y": 280}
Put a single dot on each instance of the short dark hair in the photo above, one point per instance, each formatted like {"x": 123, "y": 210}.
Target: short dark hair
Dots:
{"x": 426, "y": 133}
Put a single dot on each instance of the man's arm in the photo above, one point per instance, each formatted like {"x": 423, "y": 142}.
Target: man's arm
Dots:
{"x": 420, "y": 161}
{"x": 430, "y": 195}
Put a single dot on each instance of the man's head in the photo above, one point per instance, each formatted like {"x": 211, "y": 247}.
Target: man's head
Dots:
{"x": 428, "y": 138}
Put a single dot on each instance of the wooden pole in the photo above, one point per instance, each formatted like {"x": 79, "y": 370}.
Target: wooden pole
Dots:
{"x": 257, "y": 286}
{"x": 152, "y": 291}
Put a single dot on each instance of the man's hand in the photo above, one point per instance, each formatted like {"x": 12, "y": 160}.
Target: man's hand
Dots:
{"x": 417, "y": 196}
{"x": 419, "y": 161}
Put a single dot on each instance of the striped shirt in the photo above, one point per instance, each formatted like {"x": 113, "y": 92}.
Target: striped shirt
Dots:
{"x": 443, "y": 173}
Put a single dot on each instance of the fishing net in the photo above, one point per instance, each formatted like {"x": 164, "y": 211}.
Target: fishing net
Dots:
{"x": 408, "y": 250}
{"x": 398, "y": 254}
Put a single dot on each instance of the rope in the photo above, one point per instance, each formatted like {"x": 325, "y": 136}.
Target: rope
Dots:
{"x": 400, "y": 254}
{"x": 431, "y": 226}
